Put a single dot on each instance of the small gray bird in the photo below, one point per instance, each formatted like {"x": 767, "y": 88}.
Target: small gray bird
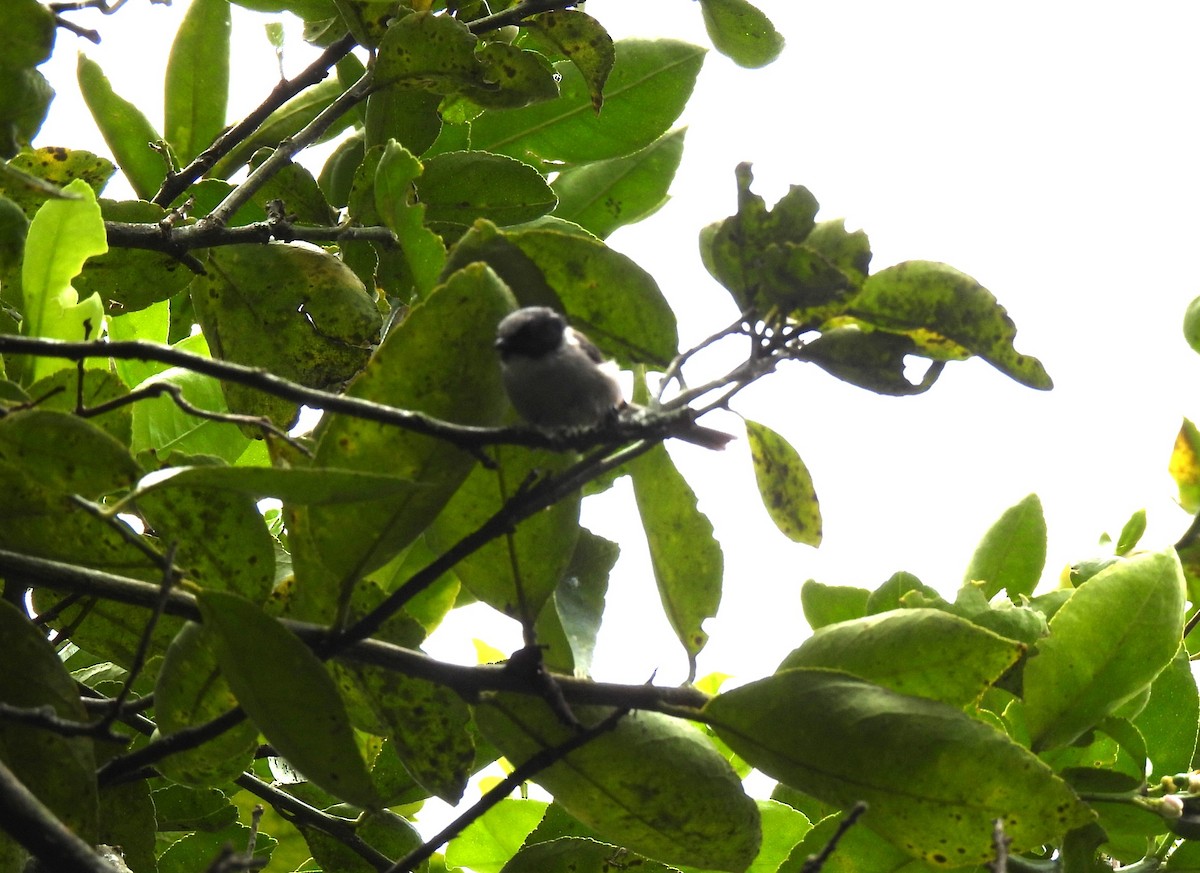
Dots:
{"x": 555, "y": 376}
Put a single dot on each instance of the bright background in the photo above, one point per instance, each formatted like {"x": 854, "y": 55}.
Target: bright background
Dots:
{"x": 1046, "y": 149}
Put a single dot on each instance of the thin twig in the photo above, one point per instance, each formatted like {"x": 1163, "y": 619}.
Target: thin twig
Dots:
{"x": 301, "y": 813}
{"x": 814, "y": 863}
{"x": 522, "y": 773}
{"x": 315, "y": 72}
{"x": 175, "y": 392}
{"x": 517, "y": 14}
{"x": 1000, "y": 844}
{"x": 282, "y": 156}
{"x": 45, "y": 717}
{"x": 169, "y": 744}
{"x": 169, "y": 577}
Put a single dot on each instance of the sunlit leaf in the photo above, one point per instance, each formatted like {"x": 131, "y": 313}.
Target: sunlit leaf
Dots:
{"x": 942, "y": 308}
{"x": 605, "y": 195}
{"x": 1107, "y": 643}
{"x": 1184, "y": 466}
{"x": 785, "y": 485}
{"x": 687, "y": 559}
{"x": 583, "y": 41}
{"x": 1012, "y": 554}
{"x": 653, "y": 784}
{"x": 741, "y": 31}
{"x": 125, "y": 128}
{"x": 922, "y": 652}
{"x": 843, "y": 740}
{"x": 197, "y": 78}
{"x": 826, "y": 604}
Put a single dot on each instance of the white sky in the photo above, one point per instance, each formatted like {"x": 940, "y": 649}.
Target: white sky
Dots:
{"x": 1046, "y": 149}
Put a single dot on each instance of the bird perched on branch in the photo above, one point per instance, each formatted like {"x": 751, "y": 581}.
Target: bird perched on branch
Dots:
{"x": 555, "y": 377}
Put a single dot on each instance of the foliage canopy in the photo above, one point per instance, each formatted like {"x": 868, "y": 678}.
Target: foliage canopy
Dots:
{"x": 207, "y": 606}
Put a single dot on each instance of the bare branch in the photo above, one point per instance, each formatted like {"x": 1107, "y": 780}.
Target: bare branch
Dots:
{"x": 469, "y": 682}
{"x": 466, "y": 437}
{"x": 315, "y": 72}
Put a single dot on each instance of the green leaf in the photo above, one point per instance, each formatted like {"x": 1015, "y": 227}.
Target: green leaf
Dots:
{"x": 783, "y": 829}
{"x": 763, "y": 257}
{"x": 191, "y": 691}
{"x": 891, "y": 594}
{"x": 922, "y": 652}
{"x": 1012, "y": 554}
{"x": 295, "y": 186}
{"x": 583, "y": 41}
{"x": 650, "y": 83}
{"x": 28, "y": 30}
{"x": 1107, "y": 644}
{"x": 221, "y": 538}
{"x": 126, "y": 279}
{"x": 1168, "y": 721}
{"x": 579, "y": 597}
{"x": 64, "y": 453}
{"x": 408, "y": 115}
{"x": 491, "y": 840}
{"x": 419, "y": 366}
{"x": 873, "y": 360}
{"x": 383, "y": 192}
{"x": 385, "y": 831}
{"x": 126, "y": 130}
{"x": 1131, "y": 533}
{"x": 687, "y": 559}
{"x": 740, "y": 31}
{"x": 285, "y": 121}
{"x": 62, "y": 235}
{"x": 61, "y": 390}
{"x": 288, "y": 693}
{"x": 37, "y": 175}
{"x": 858, "y": 849}
{"x": 843, "y": 740}
{"x": 517, "y": 573}
{"x": 826, "y": 604}
{"x": 1184, "y": 466}
{"x": 127, "y": 820}
{"x": 512, "y": 77}
{"x": 59, "y": 771}
{"x": 618, "y": 303}
{"x": 605, "y": 195}
{"x": 160, "y": 427}
{"x": 427, "y": 725}
{"x": 299, "y": 313}
{"x": 785, "y": 485}
{"x": 197, "y": 78}
{"x": 949, "y": 315}
{"x": 459, "y": 187}
{"x": 653, "y": 784}
{"x": 196, "y": 850}
{"x": 578, "y": 855}
{"x": 293, "y": 484}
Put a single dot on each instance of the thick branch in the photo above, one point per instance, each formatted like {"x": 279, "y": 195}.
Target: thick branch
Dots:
{"x": 466, "y": 681}
{"x": 178, "y": 241}
{"x": 460, "y": 435}
{"x": 30, "y": 823}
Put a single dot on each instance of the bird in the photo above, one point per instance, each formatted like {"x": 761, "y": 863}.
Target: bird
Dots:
{"x": 556, "y": 378}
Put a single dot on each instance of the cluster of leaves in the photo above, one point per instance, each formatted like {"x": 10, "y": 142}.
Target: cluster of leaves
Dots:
{"x": 483, "y": 159}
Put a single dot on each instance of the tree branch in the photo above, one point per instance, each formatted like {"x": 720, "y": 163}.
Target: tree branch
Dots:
{"x": 463, "y": 436}
{"x": 469, "y": 682}
{"x": 522, "y": 773}
{"x": 176, "y": 183}
{"x": 30, "y": 823}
